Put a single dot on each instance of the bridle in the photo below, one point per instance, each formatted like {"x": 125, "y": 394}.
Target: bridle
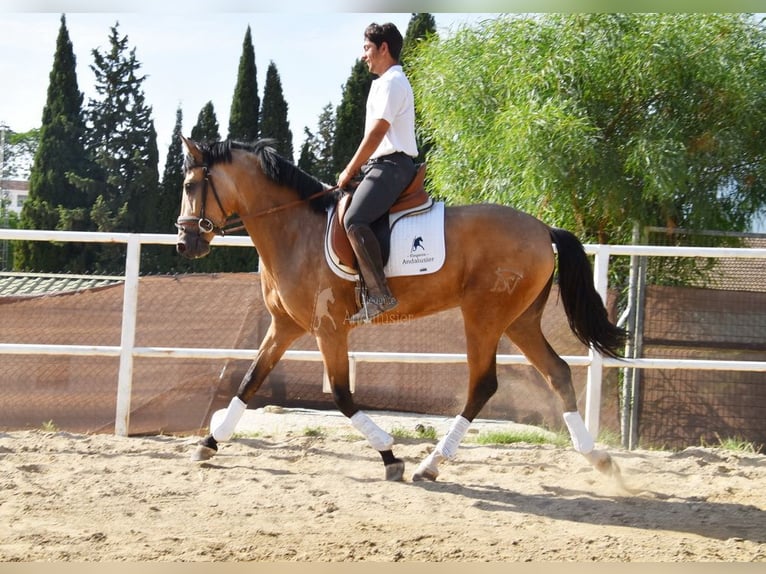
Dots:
{"x": 233, "y": 223}
{"x": 204, "y": 224}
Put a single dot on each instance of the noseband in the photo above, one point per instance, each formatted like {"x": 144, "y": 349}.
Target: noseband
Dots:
{"x": 204, "y": 224}
{"x": 232, "y": 224}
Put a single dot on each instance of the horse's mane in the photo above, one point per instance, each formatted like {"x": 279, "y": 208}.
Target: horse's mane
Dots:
{"x": 274, "y": 166}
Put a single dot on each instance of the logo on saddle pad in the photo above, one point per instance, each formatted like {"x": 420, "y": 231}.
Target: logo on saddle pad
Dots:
{"x": 418, "y": 255}
{"x": 417, "y": 243}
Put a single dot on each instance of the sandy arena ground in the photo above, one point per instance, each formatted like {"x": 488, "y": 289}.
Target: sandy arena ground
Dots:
{"x": 304, "y": 486}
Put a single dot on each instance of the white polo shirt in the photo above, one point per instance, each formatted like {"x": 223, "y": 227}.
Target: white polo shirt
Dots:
{"x": 391, "y": 99}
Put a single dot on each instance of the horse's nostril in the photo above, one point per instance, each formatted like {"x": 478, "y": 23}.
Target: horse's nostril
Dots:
{"x": 180, "y": 247}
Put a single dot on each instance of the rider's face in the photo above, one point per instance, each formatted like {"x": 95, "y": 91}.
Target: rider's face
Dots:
{"x": 374, "y": 56}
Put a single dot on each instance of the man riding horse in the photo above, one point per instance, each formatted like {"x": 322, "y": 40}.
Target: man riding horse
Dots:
{"x": 386, "y": 158}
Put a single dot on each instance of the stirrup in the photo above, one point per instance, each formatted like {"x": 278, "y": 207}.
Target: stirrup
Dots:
{"x": 372, "y": 307}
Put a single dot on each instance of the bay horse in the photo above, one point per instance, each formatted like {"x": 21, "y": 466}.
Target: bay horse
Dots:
{"x": 499, "y": 271}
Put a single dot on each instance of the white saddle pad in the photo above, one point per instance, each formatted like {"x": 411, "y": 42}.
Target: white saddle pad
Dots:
{"x": 417, "y": 245}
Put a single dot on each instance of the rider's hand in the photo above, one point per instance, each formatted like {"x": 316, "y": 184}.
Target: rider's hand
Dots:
{"x": 345, "y": 178}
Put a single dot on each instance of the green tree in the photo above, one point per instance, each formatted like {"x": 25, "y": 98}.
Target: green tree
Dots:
{"x": 224, "y": 259}
{"x": 163, "y": 258}
{"x": 18, "y": 153}
{"x": 243, "y": 126}
{"x": 14, "y": 156}
{"x": 349, "y": 117}
{"x": 53, "y": 201}
{"x": 422, "y": 26}
{"x": 597, "y": 121}
{"x": 206, "y": 128}
{"x": 274, "y": 123}
{"x": 307, "y": 160}
{"x": 245, "y": 106}
{"x": 322, "y": 145}
{"x": 8, "y": 220}
{"x": 122, "y": 138}
{"x": 123, "y": 144}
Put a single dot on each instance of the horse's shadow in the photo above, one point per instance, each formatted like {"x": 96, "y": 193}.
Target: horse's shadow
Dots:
{"x": 291, "y": 450}
{"x": 649, "y": 511}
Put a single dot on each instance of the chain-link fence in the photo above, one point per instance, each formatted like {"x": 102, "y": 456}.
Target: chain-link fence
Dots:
{"x": 702, "y": 308}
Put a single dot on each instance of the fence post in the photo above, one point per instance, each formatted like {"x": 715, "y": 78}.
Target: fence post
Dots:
{"x": 596, "y": 367}
{"x": 128, "y": 336}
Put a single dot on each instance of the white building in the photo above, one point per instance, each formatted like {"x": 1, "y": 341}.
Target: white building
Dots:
{"x": 14, "y": 192}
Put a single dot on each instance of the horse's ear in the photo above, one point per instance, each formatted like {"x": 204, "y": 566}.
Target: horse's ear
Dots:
{"x": 191, "y": 149}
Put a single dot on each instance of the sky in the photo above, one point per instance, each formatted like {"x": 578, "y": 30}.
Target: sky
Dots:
{"x": 192, "y": 57}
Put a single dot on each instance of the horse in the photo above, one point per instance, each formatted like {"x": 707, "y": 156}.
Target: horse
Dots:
{"x": 499, "y": 270}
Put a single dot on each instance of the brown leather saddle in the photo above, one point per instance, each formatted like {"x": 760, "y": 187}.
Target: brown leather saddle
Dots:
{"x": 413, "y": 198}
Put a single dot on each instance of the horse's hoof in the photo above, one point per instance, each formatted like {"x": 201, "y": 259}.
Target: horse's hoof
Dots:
{"x": 425, "y": 474}
{"x": 203, "y": 453}
{"x": 602, "y": 462}
{"x": 395, "y": 471}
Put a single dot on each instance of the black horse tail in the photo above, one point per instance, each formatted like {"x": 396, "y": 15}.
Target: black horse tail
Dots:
{"x": 584, "y": 308}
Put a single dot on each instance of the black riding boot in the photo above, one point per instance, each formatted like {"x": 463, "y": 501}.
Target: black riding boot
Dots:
{"x": 379, "y": 298}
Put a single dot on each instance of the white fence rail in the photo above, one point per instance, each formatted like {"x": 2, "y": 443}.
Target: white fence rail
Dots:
{"x": 127, "y": 350}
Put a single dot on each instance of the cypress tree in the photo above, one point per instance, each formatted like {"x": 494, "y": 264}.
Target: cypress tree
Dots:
{"x": 421, "y": 26}
{"x": 163, "y": 258}
{"x": 274, "y": 123}
{"x": 245, "y": 105}
{"x": 324, "y": 144}
{"x": 225, "y": 258}
{"x": 206, "y": 128}
{"x": 243, "y": 126}
{"x": 168, "y": 200}
{"x": 308, "y": 159}
{"x": 54, "y": 202}
{"x": 232, "y": 259}
{"x": 349, "y": 117}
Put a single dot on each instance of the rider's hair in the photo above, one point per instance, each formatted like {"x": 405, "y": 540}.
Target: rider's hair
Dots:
{"x": 388, "y": 33}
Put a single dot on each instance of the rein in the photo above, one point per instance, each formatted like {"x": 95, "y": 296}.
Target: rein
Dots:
{"x": 206, "y": 225}
{"x": 296, "y": 202}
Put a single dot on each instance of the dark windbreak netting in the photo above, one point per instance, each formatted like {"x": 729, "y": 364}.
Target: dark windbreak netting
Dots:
{"x": 225, "y": 311}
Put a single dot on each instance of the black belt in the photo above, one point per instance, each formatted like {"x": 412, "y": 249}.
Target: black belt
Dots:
{"x": 383, "y": 158}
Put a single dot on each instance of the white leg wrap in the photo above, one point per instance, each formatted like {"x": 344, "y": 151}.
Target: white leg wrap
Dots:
{"x": 581, "y": 439}
{"x": 446, "y": 449}
{"x": 450, "y": 442}
{"x": 226, "y": 428}
{"x": 376, "y": 436}
{"x": 430, "y": 464}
